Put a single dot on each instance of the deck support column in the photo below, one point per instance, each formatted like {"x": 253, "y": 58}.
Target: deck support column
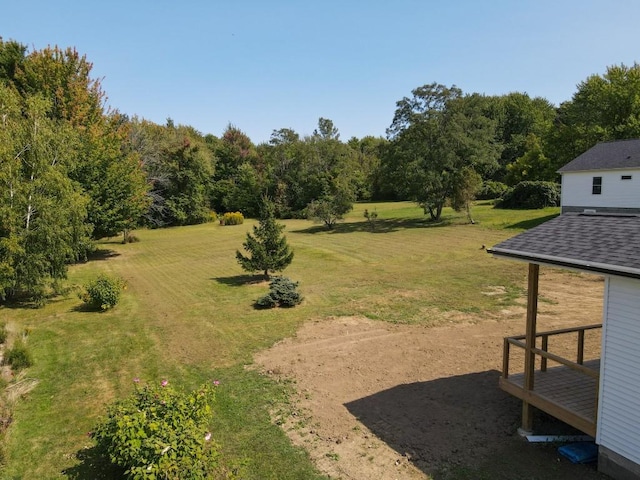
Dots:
{"x": 530, "y": 342}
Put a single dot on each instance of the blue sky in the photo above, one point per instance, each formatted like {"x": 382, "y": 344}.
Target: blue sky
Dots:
{"x": 265, "y": 65}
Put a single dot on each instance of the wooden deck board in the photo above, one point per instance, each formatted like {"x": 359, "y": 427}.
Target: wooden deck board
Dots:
{"x": 567, "y": 389}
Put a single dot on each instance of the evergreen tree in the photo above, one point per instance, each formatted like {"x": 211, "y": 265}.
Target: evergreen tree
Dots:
{"x": 267, "y": 247}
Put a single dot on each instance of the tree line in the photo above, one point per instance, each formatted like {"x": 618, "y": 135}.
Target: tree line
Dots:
{"x": 73, "y": 171}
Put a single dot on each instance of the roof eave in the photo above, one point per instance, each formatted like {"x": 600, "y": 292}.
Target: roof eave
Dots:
{"x": 570, "y": 263}
{"x": 602, "y": 169}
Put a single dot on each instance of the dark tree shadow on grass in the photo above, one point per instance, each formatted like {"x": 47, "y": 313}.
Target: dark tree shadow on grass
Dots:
{"x": 20, "y": 304}
{"x": 86, "y": 308}
{"x": 26, "y": 302}
{"x": 29, "y": 303}
{"x": 379, "y": 226}
{"x": 93, "y": 465}
{"x": 102, "y": 254}
{"x": 240, "y": 280}
{"x": 465, "y": 427}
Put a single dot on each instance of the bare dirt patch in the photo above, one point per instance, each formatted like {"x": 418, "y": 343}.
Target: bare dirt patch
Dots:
{"x": 383, "y": 401}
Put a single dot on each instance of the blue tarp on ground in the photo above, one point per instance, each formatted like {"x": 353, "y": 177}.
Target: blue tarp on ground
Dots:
{"x": 581, "y": 452}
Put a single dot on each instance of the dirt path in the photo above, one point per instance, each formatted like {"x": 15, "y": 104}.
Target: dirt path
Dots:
{"x": 382, "y": 401}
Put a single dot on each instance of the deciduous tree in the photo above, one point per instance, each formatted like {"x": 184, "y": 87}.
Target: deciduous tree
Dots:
{"x": 241, "y": 176}
{"x": 312, "y": 169}
{"x": 333, "y": 204}
{"x": 42, "y": 212}
{"x": 436, "y": 134}
{"x": 518, "y": 117}
{"x": 111, "y": 177}
{"x": 367, "y": 175}
{"x": 326, "y": 130}
{"x": 179, "y": 167}
{"x": 604, "y": 108}
{"x": 533, "y": 165}
{"x": 465, "y": 187}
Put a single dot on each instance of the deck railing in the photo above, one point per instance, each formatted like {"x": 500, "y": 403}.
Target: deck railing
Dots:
{"x": 545, "y": 355}
{"x": 555, "y": 402}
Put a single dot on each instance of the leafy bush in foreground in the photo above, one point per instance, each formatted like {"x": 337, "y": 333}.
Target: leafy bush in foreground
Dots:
{"x": 529, "y": 195}
{"x": 282, "y": 293}
{"x": 160, "y": 433}
{"x": 103, "y": 293}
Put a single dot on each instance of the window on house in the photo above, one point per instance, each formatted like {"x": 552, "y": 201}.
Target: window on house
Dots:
{"x": 596, "y": 188}
{"x": 625, "y": 177}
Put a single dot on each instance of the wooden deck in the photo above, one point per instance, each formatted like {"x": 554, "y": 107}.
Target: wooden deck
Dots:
{"x": 548, "y": 380}
{"x": 561, "y": 392}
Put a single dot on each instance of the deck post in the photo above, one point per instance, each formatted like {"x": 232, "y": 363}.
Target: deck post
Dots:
{"x": 580, "y": 359}
{"x": 530, "y": 342}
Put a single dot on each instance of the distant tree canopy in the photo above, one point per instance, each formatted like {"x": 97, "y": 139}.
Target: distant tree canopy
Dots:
{"x": 604, "y": 108}
{"x": 439, "y": 133}
{"x": 440, "y": 141}
{"x": 73, "y": 170}
{"x": 300, "y": 172}
{"x": 178, "y": 165}
{"x": 520, "y": 121}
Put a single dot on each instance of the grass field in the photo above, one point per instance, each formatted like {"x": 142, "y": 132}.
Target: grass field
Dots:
{"x": 187, "y": 316}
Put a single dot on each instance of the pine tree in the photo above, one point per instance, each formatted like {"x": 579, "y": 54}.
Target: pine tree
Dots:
{"x": 267, "y": 247}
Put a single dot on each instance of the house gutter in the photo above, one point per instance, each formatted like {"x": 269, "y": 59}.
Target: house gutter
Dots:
{"x": 594, "y": 267}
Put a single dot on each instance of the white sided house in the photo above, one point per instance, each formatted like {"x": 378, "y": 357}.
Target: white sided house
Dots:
{"x": 605, "y": 178}
{"x": 598, "y": 232}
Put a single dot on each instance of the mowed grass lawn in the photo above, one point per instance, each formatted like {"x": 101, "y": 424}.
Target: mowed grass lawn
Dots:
{"x": 187, "y": 316}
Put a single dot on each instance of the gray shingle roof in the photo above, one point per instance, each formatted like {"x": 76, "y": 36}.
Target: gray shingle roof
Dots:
{"x": 608, "y": 244}
{"x": 607, "y": 155}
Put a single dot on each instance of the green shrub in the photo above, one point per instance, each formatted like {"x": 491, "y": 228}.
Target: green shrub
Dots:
{"x": 282, "y": 293}
{"x": 132, "y": 238}
{"x": 160, "y": 433}
{"x": 531, "y": 195}
{"x": 266, "y": 301}
{"x": 18, "y": 356}
{"x": 59, "y": 288}
{"x": 491, "y": 190}
{"x": 232, "y": 218}
{"x": 213, "y": 216}
{"x": 103, "y": 293}
{"x": 371, "y": 218}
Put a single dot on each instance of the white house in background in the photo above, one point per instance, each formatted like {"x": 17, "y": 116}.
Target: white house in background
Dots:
{"x": 605, "y": 178}
{"x": 598, "y": 232}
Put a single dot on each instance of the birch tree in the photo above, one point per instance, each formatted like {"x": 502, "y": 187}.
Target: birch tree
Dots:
{"x": 43, "y": 213}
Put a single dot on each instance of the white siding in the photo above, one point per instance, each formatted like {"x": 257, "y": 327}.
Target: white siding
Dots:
{"x": 619, "y": 402}
{"x": 616, "y": 193}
